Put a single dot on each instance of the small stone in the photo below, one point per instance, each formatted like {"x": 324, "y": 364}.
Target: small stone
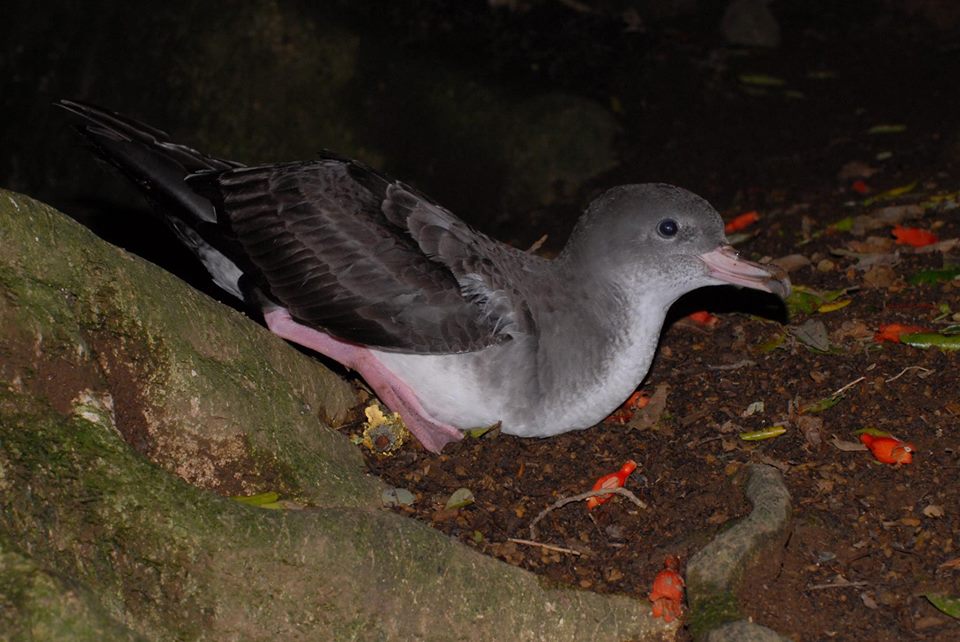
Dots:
{"x": 826, "y": 265}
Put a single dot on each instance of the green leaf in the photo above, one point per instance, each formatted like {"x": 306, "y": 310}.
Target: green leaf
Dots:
{"x": 843, "y": 225}
{"x": 761, "y": 80}
{"x": 258, "y": 499}
{"x": 934, "y": 276}
{"x": 949, "y": 604}
{"x": 932, "y": 340}
{"x": 876, "y": 432}
{"x": 804, "y": 300}
{"x": 460, "y": 498}
{"x": 397, "y": 497}
{"x": 771, "y": 344}
{"x": 765, "y": 433}
{"x": 887, "y": 128}
{"x": 821, "y": 405}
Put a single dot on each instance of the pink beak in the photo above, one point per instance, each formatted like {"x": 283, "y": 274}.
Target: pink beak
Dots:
{"x": 725, "y": 264}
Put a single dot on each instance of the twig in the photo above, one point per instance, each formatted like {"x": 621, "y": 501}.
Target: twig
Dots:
{"x": 926, "y": 372}
{"x": 841, "y": 582}
{"x": 743, "y": 363}
{"x": 537, "y": 244}
{"x": 842, "y": 390}
{"x": 549, "y": 547}
{"x": 563, "y": 501}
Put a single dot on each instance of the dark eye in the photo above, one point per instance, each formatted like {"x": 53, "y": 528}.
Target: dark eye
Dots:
{"x": 667, "y": 228}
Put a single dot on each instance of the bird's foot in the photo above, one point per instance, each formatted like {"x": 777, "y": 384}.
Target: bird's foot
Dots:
{"x": 396, "y": 394}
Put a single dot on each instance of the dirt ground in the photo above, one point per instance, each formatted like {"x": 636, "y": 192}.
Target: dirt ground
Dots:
{"x": 865, "y": 125}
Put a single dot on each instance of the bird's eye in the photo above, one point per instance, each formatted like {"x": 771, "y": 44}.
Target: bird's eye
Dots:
{"x": 667, "y": 228}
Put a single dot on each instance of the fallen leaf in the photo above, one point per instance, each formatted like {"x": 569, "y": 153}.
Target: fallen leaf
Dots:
{"x": 397, "y": 497}
{"x": 761, "y": 80}
{"x": 948, "y": 604}
{"x": 880, "y": 276}
{"x": 846, "y": 446}
{"x": 934, "y": 511}
{"x": 811, "y": 427}
{"x": 927, "y": 277}
{"x": 813, "y": 334}
{"x": 791, "y": 262}
{"x": 887, "y": 128}
{"x": 852, "y": 329}
{"x": 943, "y": 246}
{"x": 653, "y": 411}
{"x": 754, "y": 408}
{"x": 762, "y": 434}
{"x": 822, "y": 404}
{"x": 269, "y": 500}
{"x": 892, "y": 193}
{"x": 932, "y": 340}
{"x": 856, "y": 169}
{"x": 834, "y": 306}
{"x": 460, "y": 498}
{"x": 868, "y": 601}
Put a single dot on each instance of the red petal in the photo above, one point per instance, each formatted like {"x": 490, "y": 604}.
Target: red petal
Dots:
{"x": 914, "y": 236}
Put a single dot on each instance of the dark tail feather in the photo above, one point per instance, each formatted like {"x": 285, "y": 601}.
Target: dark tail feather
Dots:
{"x": 147, "y": 157}
{"x": 159, "y": 167}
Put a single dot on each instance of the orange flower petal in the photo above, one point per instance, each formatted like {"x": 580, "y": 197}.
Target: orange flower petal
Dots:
{"x": 914, "y": 236}
{"x": 893, "y": 331}
{"x": 741, "y": 222}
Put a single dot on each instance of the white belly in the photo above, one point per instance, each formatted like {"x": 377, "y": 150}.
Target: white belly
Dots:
{"x": 448, "y": 386}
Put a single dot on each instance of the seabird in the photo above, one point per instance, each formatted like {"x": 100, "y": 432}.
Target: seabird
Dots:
{"x": 451, "y": 328}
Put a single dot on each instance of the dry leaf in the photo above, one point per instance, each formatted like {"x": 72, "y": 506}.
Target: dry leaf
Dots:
{"x": 811, "y": 427}
{"x": 846, "y": 446}
{"x": 856, "y": 330}
{"x": 883, "y": 217}
{"x": 880, "y": 276}
{"x": 872, "y": 245}
{"x": 855, "y": 169}
{"x": 933, "y": 510}
{"x": 650, "y": 415}
{"x": 791, "y": 262}
{"x": 942, "y": 246}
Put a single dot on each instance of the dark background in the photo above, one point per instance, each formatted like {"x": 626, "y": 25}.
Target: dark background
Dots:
{"x": 513, "y": 114}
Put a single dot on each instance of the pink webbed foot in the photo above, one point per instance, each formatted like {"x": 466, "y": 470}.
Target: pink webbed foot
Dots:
{"x": 396, "y": 394}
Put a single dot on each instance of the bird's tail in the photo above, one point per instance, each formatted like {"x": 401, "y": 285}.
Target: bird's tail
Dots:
{"x": 159, "y": 168}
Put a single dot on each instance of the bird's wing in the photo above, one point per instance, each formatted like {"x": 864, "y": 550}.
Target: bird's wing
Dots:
{"x": 368, "y": 259}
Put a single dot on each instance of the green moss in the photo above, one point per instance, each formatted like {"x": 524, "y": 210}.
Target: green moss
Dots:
{"x": 711, "y": 611}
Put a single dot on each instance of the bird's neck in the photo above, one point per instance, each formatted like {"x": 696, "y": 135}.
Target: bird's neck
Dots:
{"x": 599, "y": 354}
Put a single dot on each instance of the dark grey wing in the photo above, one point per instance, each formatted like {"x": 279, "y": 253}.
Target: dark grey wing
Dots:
{"x": 380, "y": 267}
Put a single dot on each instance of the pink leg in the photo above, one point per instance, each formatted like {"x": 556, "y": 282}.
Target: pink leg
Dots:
{"x": 396, "y": 394}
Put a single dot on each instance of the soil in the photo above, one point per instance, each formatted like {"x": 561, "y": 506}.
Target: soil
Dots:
{"x": 868, "y": 539}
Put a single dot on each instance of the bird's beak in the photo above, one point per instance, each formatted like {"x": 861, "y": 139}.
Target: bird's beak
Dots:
{"x": 725, "y": 264}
